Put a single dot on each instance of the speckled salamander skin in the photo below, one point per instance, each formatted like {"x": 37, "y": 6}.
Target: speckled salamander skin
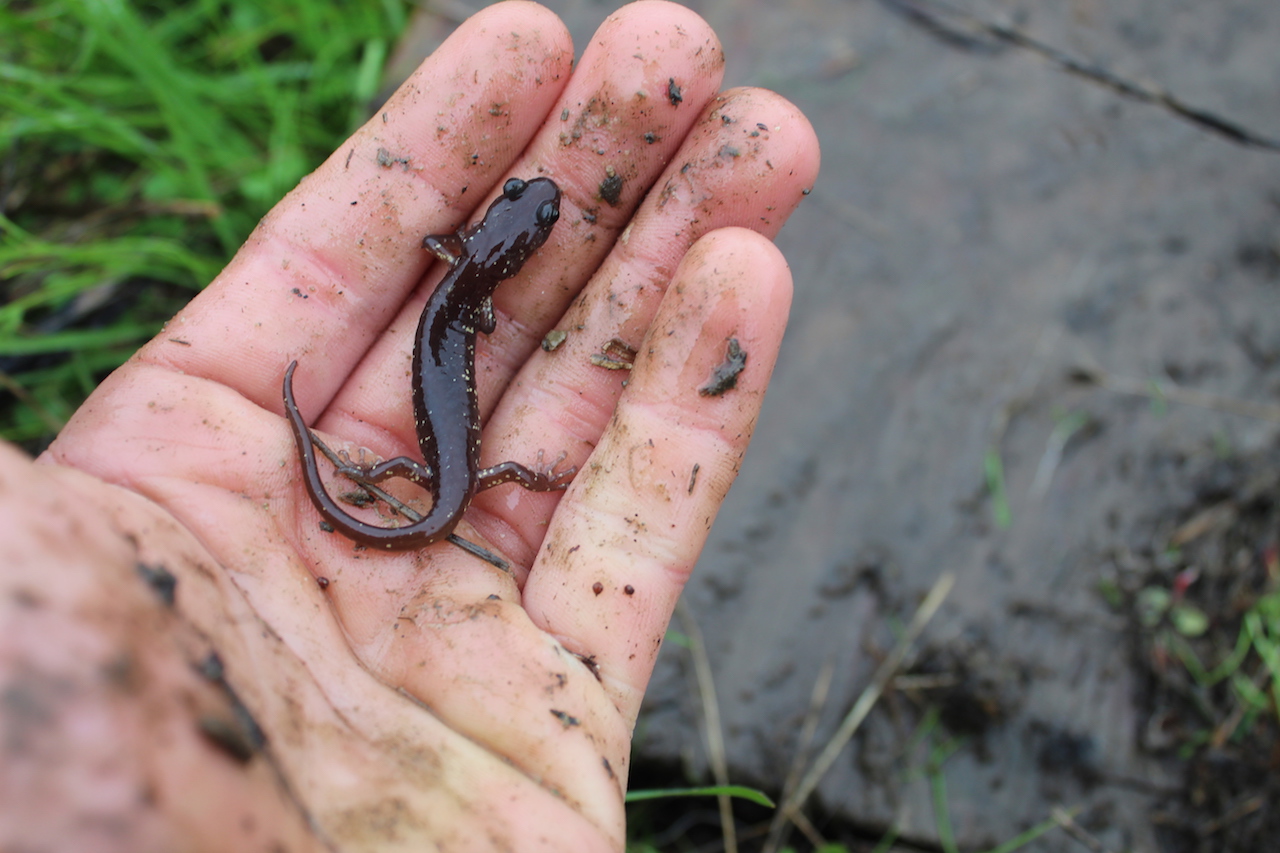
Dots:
{"x": 445, "y": 407}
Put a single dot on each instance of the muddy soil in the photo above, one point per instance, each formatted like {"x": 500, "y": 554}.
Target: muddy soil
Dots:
{"x": 985, "y": 225}
{"x": 987, "y": 232}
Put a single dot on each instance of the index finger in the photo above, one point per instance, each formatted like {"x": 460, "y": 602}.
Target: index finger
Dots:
{"x": 346, "y": 240}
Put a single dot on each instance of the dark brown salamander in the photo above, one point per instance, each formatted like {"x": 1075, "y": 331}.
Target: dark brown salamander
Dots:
{"x": 446, "y": 412}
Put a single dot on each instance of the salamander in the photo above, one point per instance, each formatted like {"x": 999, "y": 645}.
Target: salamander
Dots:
{"x": 445, "y": 407}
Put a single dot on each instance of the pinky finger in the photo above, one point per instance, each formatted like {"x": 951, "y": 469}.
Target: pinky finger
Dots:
{"x": 625, "y": 537}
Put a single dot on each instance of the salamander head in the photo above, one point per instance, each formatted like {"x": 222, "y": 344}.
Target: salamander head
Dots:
{"x": 514, "y": 227}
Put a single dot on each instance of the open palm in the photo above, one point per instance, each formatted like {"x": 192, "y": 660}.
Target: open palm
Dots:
{"x": 427, "y": 699}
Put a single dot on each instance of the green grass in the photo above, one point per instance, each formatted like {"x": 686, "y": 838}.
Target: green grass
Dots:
{"x": 139, "y": 145}
{"x": 753, "y": 795}
{"x": 1252, "y": 668}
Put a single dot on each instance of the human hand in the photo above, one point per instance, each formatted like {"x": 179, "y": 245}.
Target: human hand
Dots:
{"x": 427, "y": 698}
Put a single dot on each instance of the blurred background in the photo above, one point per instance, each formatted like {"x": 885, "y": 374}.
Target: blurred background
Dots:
{"x": 1034, "y": 352}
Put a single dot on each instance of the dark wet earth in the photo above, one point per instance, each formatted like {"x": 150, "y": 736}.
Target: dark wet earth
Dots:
{"x": 1035, "y": 344}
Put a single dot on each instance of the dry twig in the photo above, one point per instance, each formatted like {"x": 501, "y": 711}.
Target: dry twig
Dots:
{"x": 711, "y": 720}
{"x": 883, "y": 675}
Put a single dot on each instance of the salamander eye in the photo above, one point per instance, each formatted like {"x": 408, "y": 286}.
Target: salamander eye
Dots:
{"x": 547, "y": 213}
{"x": 513, "y": 188}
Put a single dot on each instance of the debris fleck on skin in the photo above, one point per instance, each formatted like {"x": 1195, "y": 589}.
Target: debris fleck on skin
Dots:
{"x": 615, "y": 354}
{"x": 590, "y": 662}
{"x": 600, "y": 360}
{"x": 554, "y": 339}
{"x": 566, "y": 719}
{"x": 227, "y": 736}
{"x": 611, "y": 187}
{"x": 357, "y": 498}
{"x": 674, "y": 95}
{"x": 161, "y": 581}
{"x": 241, "y": 736}
{"x": 725, "y": 376}
{"x": 386, "y": 160}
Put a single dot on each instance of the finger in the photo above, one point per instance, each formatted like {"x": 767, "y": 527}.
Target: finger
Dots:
{"x": 608, "y": 138}
{"x": 625, "y": 538}
{"x": 329, "y": 266}
{"x": 748, "y": 163}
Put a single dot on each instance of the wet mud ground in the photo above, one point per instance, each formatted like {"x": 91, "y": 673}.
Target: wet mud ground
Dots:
{"x": 998, "y": 261}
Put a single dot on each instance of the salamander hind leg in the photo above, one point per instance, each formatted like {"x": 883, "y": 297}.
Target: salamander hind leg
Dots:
{"x": 539, "y": 479}
{"x": 402, "y": 466}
